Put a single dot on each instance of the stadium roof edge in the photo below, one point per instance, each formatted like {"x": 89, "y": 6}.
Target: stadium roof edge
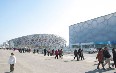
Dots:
{"x": 92, "y": 19}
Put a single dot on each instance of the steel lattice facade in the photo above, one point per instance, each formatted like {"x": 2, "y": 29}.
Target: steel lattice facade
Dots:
{"x": 38, "y": 41}
{"x": 101, "y": 29}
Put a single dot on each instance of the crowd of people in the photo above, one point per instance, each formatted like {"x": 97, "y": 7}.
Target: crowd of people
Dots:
{"x": 58, "y": 53}
{"x": 23, "y": 50}
{"x": 104, "y": 57}
{"x": 78, "y": 54}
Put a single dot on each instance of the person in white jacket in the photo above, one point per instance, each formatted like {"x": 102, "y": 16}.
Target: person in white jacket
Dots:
{"x": 12, "y": 61}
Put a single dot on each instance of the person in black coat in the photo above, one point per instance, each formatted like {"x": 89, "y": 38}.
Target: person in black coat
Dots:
{"x": 38, "y": 51}
{"x": 114, "y": 56}
{"x": 76, "y": 54}
{"x": 79, "y": 53}
{"x": 107, "y": 56}
{"x": 82, "y": 56}
{"x": 44, "y": 52}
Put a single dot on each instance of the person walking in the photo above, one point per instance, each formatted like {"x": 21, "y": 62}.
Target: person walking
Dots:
{"x": 34, "y": 51}
{"x": 61, "y": 53}
{"x": 38, "y": 51}
{"x": 76, "y": 54}
{"x": 107, "y": 56}
{"x": 52, "y": 52}
{"x": 12, "y": 61}
{"x": 44, "y": 52}
{"x": 114, "y": 56}
{"x": 100, "y": 58}
{"x": 82, "y": 56}
{"x": 79, "y": 53}
{"x": 48, "y": 51}
{"x": 56, "y": 54}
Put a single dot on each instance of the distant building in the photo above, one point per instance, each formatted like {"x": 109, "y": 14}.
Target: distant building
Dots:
{"x": 4, "y": 45}
{"x": 38, "y": 41}
{"x": 98, "y": 32}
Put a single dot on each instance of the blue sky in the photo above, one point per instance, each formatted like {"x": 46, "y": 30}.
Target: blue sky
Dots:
{"x": 25, "y": 17}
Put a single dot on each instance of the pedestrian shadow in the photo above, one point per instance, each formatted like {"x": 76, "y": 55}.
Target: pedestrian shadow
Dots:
{"x": 66, "y": 61}
{"x": 100, "y": 70}
{"x": 71, "y": 55}
{"x": 6, "y": 72}
{"x": 47, "y": 59}
{"x": 95, "y": 61}
{"x": 71, "y": 60}
{"x": 95, "y": 64}
{"x": 77, "y": 60}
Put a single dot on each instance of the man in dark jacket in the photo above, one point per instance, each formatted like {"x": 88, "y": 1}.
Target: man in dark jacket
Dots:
{"x": 76, "y": 54}
{"x": 44, "y": 52}
{"x": 114, "y": 56}
{"x": 79, "y": 53}
{"x": 82, "y": 56}
{"x": 107, "y": 56}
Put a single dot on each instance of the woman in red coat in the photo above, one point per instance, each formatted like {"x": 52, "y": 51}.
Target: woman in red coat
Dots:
{"x": 100, "y": 58}
{"x": 56, "y": 53}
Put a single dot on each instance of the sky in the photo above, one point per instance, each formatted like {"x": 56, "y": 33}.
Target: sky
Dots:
{"x": 26, "y": 17}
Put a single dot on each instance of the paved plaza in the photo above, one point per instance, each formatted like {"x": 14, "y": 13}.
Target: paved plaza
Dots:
{"x": 37, "y": 63}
